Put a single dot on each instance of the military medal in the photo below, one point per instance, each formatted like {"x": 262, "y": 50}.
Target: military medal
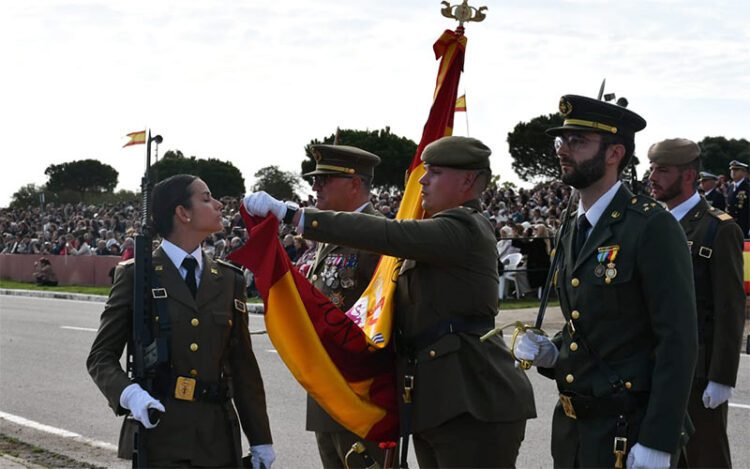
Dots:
{"x": 607, "y": 254}
{"x": 347, "y": 282}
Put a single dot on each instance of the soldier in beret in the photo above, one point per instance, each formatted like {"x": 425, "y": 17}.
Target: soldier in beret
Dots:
{"x": 715, "y": 243}
{"x": 711, "y": 193}
{"x": 624, "y": 362}
{"x": 737, "y": 194}
{"x": 466, "y": 404}
{"x": 341, "y": 180}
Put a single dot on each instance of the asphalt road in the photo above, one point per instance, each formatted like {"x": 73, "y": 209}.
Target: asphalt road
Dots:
{"x": 44, "y": 344}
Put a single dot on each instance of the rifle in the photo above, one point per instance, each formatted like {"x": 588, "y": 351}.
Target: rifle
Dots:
{"x": 145, "y": 353}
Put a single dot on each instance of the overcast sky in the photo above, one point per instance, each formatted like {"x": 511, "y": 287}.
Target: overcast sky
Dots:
{"x": 252, "y": 82}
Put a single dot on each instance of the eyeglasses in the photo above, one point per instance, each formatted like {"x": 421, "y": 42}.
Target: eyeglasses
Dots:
{"x": 574, "y": 142}
{"x": 323, "y": 179}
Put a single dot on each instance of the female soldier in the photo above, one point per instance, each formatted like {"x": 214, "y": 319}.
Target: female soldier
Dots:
{"x": 210, "y": 356}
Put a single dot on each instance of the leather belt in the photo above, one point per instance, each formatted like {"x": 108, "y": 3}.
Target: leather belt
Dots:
{"x": 577, "y": 406}
{"x": 192, "y": 389}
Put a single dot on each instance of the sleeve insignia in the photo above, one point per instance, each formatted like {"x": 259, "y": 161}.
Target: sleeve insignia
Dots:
{"x": 240, "y": 306}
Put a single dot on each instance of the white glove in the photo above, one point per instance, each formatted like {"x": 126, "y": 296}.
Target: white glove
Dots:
{"x": 537, "y": 349}
{"x": 263, "y": 454}
{"x": 642, "y": 457}
{"x": 138, "y": 401}
{"x": 716, "y": 394}
{"x": 260, "y": 204}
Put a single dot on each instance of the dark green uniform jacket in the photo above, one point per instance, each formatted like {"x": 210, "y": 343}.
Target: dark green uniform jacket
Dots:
{"x": 716, "y": 244}
{"x": 738, "y": 206}
{"x": 450, "y": 270}
{"x": 197, "y": 433}
{"x": 641, "y": 324}
{"x": 341, "y": 274}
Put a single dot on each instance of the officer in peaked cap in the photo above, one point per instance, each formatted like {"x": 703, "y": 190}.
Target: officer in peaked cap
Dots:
{"x": 708, "y": 182}
{"x": 342, "y": 161}
{"x": 737, "y": 194}
{"x": 341, "y": 181}
{"x": 715, "y": 243}
{"x": 624, "y": 361}
{"x": 463, "y": 400}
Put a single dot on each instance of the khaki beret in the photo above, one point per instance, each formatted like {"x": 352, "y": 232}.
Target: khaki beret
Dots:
{"x": 457, "y": 152}
{"x": 674, "y": 152}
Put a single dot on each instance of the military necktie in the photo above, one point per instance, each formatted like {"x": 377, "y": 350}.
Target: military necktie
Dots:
{"x": 190, "y": 264}
{"x": 582, "y": 227}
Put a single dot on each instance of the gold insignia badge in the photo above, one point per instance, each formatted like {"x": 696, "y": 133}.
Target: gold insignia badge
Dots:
{"x": 184, "y": 388}
{"x": 158, "y": 268}
{"x": 565, "y": 107}
{"x": 317, "y": 156}
{"x": 214, "y": 271}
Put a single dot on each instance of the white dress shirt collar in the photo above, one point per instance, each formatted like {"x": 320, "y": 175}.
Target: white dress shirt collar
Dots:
{"x": 595, "y": 212}
{"x": 681, "y": 210}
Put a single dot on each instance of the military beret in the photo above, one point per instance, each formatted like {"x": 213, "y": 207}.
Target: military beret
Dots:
{"x": 705, "y": 175}
{"x": 674, "y": 152}
{"x": 343, "y": 160}
{"x": 457, "y": 152}
{"x": 592, "y": 115}
{"x": 734, "y": 164}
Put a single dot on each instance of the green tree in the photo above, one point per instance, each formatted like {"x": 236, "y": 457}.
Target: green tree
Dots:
{"x": 282, "y": 185}
{"x": 28, "y": 195}
{"x": 532, "y": 150}
{"x": 718, "y": 152}
{"x": 222, "y": 177}
{"x": 83, "y": 177}
{"x": 395, "y": 153}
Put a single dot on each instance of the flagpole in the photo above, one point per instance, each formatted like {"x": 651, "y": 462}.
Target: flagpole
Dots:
{"x": 466, "y": 112}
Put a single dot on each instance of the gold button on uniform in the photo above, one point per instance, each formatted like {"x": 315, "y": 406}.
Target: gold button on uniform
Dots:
{"x": 194, "y": 322}
{"x": 569, "y": 379}
{"x": 230, "y": 323}
{"x": 314, "y": 223}
{"x": 573, "y": 346}
{"x": 193, "y": 373}
{"x": 432, "y": 354}
{"x": 194, "y": 347}
{"x": 575, "y": 314}
{"x": 575, "y": 282}
{"x": 628, "y": 385}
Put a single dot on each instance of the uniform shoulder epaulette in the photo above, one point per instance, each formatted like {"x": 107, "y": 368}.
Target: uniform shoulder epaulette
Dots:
{"x": 644, "y": 204}
{"x": 721, "y": 215}
{"x": 127, "y": 262}
{"x": 230, "y": 266}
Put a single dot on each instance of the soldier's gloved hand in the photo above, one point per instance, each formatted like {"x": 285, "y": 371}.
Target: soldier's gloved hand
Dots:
{"x": 716, "y": 394}
{"x": 536, "y": 348}
{"x": 263, "y": 454}
{"x": 260, "y": 204}
{"x": 138, "y": 401}
{"x": 643, "y": 457}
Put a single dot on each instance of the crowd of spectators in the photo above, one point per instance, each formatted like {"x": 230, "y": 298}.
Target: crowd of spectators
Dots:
{"x": 524, "y": 219}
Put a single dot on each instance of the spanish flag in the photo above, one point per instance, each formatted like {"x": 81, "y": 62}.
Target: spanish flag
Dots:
{"x": 345, "y": 359}
{"x": 136, "y": 138}
{"x": 461, "y": 103}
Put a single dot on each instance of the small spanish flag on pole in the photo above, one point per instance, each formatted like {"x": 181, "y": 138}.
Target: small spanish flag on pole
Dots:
{"x": 461, "y": 103}
{"x": 136, "y": 138}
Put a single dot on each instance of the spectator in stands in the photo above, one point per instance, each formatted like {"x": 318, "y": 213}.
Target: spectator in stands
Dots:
{"x": 43, "y": 274}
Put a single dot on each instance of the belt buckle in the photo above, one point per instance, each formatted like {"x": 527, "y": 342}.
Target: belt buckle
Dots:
{"x": 184, "y": 388}
{"x": 567, "y": 405}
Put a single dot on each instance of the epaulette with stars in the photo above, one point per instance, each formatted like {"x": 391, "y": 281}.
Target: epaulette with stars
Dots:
{"x": 644, "y": 204}
{"x": 721, "y": 215}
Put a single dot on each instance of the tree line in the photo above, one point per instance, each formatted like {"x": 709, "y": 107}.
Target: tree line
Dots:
{"x": 531, "y": 150}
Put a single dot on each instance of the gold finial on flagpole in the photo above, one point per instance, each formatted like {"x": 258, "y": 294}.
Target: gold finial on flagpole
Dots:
{"x": 463, "y": 13}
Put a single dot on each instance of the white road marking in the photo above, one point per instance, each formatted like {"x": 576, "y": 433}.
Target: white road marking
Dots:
{"x": 74, "y": 328}
{"x": 739, "y": 406}
{"x": 57, "y": 431}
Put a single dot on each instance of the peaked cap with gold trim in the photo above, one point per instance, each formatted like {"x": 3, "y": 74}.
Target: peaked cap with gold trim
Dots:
{"x": 343, "y": 160}
{"x": 592, "y": 115}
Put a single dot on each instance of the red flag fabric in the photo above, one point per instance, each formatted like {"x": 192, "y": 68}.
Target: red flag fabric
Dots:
{"x": 461, "y": 103}
{"x": 344, "y": 359}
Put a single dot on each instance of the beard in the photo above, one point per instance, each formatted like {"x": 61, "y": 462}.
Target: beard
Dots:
{"x": 671, "y": 192}
{"x": 585, "y": 173}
